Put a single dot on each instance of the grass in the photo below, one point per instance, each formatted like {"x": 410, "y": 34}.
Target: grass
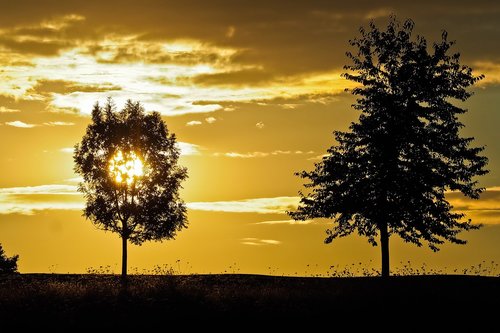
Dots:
{"x": 360, "y": 269}
{"x": 90, "y": 301}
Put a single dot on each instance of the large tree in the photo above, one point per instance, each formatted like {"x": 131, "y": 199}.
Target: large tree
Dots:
{"x": 390, "y": 172}
{"x": 128, "y": 161}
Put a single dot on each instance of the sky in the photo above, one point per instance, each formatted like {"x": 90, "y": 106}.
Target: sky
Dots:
{"x": 253, "y": 92}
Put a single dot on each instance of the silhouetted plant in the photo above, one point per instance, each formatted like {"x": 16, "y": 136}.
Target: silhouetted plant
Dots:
{"x": 8, "y": 265}
{"x": 106, "y": 270}
{"x": 390, "y": 172}
{"x": 128, "y": 161}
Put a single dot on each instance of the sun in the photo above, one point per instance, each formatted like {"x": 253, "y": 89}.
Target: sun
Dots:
{"x": 125, "y": 168}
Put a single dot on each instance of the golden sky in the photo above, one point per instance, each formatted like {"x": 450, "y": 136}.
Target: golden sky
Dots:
{"x": 252, "y": 91}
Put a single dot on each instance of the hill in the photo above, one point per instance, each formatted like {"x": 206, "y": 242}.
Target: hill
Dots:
{"x": 70, "y": 301}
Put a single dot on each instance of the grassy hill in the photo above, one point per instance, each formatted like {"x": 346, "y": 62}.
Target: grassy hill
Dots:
{"x": 98, "y": 301}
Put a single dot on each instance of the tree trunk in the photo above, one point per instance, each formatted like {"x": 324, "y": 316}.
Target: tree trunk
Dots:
{"x": 384, "y": 244}
{"x": 124, "y": 257}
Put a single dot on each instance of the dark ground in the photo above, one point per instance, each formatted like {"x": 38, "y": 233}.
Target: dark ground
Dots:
{"x": 98, "y": 302}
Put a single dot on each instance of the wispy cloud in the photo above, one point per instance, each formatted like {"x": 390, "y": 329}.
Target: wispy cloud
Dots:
{"x": 257, "y": 154}
{"x": 210, "y": 120}
{"x": 490, "y": 69}
{"x": 290, "y": 222}
{"x": 317, "y": 158}
{"x": 29, "y": 199}
{"x": 188, "y": 149}
{"x": 276, "y": 205}
{"x": 4, "y": 109}
{"x": 243, "y": 155}
{"x": 19, "y": 124}
{"x": 174, "y": 77}
{"x": 74, "y": 180}
{"x": 486, "y": 210}
{"x": 231, "y": 30}
{"x": 67, "y": 150}
{"x": 260, "y": 125}
{"x": 61, "y": 22}
{"x": 193, "y": 123}
{"x": 41, "y": 189}
{"x": 377, "y": 13}
{"x": 22, "y": 124}
{"x": 259, "y": 242}
{"x": 59, "y": 123}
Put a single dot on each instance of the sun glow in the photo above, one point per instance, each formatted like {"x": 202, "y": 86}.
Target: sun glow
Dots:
{"x": 125, "y": 168}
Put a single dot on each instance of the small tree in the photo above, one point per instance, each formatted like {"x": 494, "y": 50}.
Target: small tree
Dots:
{"x": 390, "y": 172}
{"x": 7, "y": 265}
{"x": 128, "y": 161}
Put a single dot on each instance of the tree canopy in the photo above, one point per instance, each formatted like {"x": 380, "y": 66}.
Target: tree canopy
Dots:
{"x": 389, "y": 173}
{"x": 7, "y": 264}
{"x": 131, "y": 177}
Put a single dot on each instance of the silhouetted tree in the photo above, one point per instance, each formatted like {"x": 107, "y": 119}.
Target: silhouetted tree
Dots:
{"x": 7, "y": 265}
{"x": 128, "y": 161}
{"x": 390, "y": 172}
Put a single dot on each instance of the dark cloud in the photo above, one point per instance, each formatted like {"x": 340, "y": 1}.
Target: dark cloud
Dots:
{"x": 46, "y": 87}
{"x": 148, "y": 52}
{"x": 289, "y": 38}
{"x": 33, "y": 47}
{"x": 235, "y": 78}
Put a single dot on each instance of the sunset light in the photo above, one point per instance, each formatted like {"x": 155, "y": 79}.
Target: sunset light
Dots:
{"x": 252, "y": 92}
{"x": 264, "y": 161}
{"x": 125, "y": 168}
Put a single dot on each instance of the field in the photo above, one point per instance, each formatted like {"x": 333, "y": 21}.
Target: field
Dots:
{"x": 99, "y": 301}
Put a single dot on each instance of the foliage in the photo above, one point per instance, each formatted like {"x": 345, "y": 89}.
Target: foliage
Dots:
{"x": 137, "y": 208}
{"x": 7, "y": 265}
{"x": 389, "y": 173}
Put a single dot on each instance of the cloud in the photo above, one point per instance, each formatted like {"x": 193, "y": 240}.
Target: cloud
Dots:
{"x": 41, "y": 189}
{"x": 45, "y": 38}
{"x": 290, "y": 222}
{"x": 4, "y": 109}
{"x": 258, "y": 154}
{"x": 49, "y": 87}
{"x": 486, "y": 210}
{"x": 243, "y": 155}
{"x": 238, "y": 78}
{"x": 231, "y": 30}
{"x": 67, "y": 150}
{"x": 200, "y": 74}
{"x": 281, "y": 152}
{"x": 260, "y": 125}
{"x": 210, "y": 120}
{"x": 378, "y": 13}
{"x": 489, "y": 201}
{"x": 19, "y": 124}
{"x": 276, "y": 205}
{"x": 258, "y": 242}
{"x": 74, "y": 180}
{"x": 188, "y": 149}
{"x": 29, "y": 199}
{"x": 58, "y": 123}
{"x": 193, "y": 123}
{"x": 490, "y": 69}
{"x": 183, "y": 52}
{"x": 317, "y": 158}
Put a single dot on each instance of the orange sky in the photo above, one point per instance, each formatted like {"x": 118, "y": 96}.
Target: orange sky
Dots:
{"x": 252, "y": 92}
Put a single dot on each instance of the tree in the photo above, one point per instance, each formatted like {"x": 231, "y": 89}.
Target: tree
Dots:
{"x": 389, "y": 173}
{"x": 7, "y": 265}
{"x": 128, "y": 161}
